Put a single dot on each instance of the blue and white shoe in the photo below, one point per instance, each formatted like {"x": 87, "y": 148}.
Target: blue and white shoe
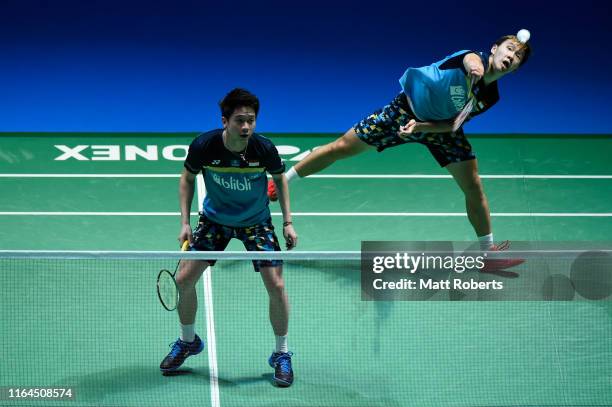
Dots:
{"x": 283, "y": 373}
{"x": 180, "y": 351}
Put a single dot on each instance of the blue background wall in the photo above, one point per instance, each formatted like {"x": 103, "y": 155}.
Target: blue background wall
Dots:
{"x": 318, "y": 66}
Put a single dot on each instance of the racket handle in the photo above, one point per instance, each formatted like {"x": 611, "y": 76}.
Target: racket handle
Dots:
{"x": 467, "y": 109}
{"x": 463, "y": 115}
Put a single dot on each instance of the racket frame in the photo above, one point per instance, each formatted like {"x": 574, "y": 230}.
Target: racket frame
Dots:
{"x": 172, "y": 277}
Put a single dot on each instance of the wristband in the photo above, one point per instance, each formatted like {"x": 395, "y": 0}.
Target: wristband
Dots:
{"x": 287, "y": 224}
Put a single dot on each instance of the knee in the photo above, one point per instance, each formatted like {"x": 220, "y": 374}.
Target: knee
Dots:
{"x": 333, "y": 149}
{"x": 184, "y": 282}
{"x": 473, "y": 188}
{"x": 187, "y": 277}
{"x": 340, "y": 148}
{"x": 276, "y": 288}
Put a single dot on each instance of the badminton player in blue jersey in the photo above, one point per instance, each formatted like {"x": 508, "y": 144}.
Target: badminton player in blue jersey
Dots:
{"x": 234, "y": 161}
{"x": 426, "y": 111}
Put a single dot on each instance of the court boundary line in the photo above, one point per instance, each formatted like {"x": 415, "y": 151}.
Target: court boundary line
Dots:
{"x": 326, "y": 176}
{"x": 340, "y": 214}
{"x": 213, "y": 370}
{"x": 211, "y": 337}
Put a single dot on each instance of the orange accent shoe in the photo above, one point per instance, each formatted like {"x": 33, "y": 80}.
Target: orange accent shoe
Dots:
{"x": 272, "y": 191}
{"x": 500, "y": 264}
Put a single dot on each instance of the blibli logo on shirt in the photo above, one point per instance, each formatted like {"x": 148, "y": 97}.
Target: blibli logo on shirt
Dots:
{"x": 457, "y": 95}
{"x": 234, "y": 184}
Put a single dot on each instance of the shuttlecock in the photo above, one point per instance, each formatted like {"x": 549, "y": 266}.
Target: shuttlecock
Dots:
{"x": 523, "y": 35}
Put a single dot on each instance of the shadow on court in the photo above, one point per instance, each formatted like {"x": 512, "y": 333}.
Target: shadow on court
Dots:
{"x": 265, "y": 377}
{"x": 132, "y": 382}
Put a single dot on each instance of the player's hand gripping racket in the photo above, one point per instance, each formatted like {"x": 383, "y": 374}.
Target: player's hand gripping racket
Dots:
{"x": 167, "y": 290}
{"x": 467, "y": 109}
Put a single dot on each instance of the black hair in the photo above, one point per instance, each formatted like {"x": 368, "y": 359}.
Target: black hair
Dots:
{"x": 523, "y": 46}
{"x": 236, "y": 98}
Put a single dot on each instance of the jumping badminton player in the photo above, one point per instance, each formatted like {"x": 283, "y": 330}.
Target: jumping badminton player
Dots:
{"x": 425, "y": 112}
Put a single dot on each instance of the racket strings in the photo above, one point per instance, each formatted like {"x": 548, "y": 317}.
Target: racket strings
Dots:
{"x": 168, "y": 291}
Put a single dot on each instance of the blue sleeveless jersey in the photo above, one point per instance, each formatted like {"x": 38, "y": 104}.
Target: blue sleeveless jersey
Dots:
{"x": 235, "y": 186}
{"x": 439, "y": 91}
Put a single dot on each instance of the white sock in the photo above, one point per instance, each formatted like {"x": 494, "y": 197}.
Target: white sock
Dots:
{"x": 281, "y": 344}
{"x": 188, "y": 333}
{"x": 292, "y": 175}
{"x": 486, "y": 242}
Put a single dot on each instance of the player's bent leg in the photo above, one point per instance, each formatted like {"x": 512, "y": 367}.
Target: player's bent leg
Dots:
{"x": 278, "y": 304}
{"x": 187, "y": 278}
{"x": 346, "y": 146}
{"x": 279, "y": 318}
{"x": 465, "y": 174}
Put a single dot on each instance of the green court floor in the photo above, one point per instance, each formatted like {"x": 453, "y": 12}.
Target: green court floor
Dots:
{"x": 97, "y": 325}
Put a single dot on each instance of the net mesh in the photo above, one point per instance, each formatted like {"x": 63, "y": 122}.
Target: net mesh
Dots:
{"x": 95, "y": 325}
